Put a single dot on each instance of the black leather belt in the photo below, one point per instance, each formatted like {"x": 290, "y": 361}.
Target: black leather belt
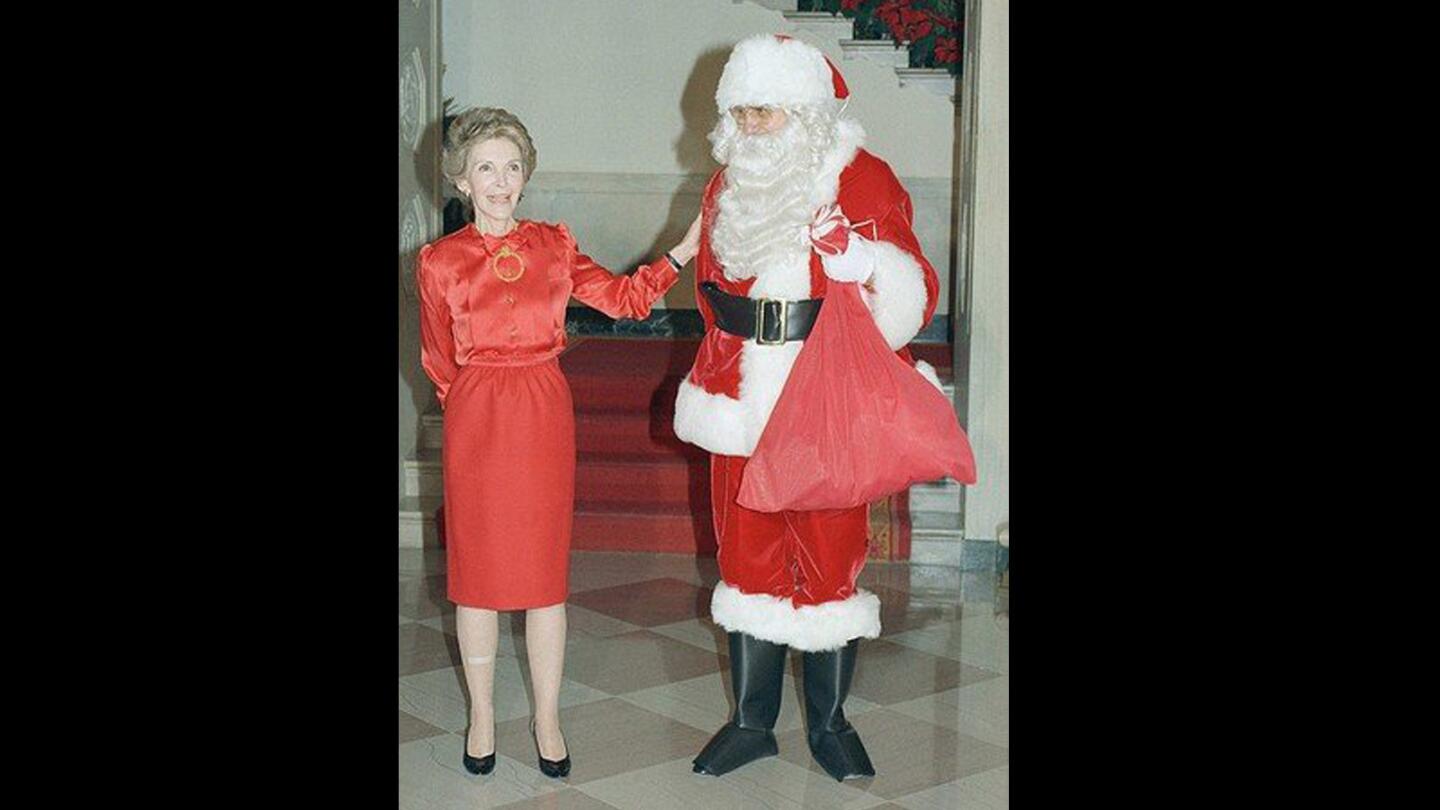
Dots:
{"x": 771, "y": 321}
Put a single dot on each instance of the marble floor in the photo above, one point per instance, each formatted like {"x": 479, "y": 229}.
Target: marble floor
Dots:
{"x": 647, "y": 683}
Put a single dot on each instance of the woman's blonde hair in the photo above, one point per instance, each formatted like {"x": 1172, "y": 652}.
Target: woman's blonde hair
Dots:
{"x": 479, "y": 124}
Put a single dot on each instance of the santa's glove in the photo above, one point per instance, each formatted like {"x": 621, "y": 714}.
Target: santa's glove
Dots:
{"x": 857, "y": 263}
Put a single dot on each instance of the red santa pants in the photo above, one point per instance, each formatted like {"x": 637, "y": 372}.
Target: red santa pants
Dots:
{"x": 806, "y": 557}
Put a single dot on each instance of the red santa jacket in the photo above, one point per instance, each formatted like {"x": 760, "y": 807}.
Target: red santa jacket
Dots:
{"x": 725, "y": 401}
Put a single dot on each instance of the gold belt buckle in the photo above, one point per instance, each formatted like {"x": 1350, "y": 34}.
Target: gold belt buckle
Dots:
{"x": 760, "y": 321}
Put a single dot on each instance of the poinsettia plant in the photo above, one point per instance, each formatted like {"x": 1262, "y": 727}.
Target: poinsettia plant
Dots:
{"x": 931, "y": 28}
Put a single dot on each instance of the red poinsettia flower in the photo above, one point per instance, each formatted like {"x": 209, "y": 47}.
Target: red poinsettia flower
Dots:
{"x": 889, "y": 13}
{"x": 943, "y": 21}
{"x": 947, "y": 50}
{"x": 915, "y": 23}
{"x": 850, "y": 5}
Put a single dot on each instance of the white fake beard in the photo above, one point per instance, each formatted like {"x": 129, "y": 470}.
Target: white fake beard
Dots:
{"x": 764, "y": 209}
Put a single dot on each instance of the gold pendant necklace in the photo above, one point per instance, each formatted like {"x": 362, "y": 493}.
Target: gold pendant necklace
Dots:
{"x": 507, "y": 271}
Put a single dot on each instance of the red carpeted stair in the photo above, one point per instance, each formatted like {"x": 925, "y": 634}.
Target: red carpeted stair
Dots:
{"x": 637, "y": 487}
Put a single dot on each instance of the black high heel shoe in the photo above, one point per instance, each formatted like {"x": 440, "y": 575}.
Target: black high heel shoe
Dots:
{"x": 476, "y": 765}
{"x": 555, "y": 769}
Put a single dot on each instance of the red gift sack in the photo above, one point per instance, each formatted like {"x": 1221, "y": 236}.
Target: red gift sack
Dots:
{"x": 854, "y": 422}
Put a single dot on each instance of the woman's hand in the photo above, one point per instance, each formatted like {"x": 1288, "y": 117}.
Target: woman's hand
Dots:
{"x": 690, "y": 245}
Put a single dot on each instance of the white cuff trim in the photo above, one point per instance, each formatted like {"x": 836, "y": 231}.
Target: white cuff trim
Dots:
{"x": 811, "y": 628}
{"x": 900, "y": 298}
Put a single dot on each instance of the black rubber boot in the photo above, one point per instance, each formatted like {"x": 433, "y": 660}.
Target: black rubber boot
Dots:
{"x": 833, "y": 741}
{"x": 757, "y": 670}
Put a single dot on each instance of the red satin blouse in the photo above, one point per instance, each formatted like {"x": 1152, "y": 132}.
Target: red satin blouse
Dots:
{"x": 500, "y": 300}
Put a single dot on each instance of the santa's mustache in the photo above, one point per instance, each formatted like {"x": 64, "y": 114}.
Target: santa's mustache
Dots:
{"x": 762, "y": 158}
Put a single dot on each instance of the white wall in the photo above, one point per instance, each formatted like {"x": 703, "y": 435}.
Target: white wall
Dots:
{"x": 987, "y": 504}
{"x": 618, "y": 96}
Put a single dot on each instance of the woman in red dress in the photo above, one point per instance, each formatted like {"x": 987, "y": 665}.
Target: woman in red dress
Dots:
{"x": 493, "y": 298}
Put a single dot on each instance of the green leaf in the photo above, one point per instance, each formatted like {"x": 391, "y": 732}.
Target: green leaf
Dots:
{"x": 922, "y": 51}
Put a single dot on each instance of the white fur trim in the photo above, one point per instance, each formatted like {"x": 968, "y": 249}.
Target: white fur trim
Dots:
{"x": 899, "y": 302}
{"x": 712, "y": 421}
{"x": 765, "y": 71}
{"x": 787, "y": 278}
{"x": 732, "y": 427}
{"x": 812, "y": 628}
{"x": 928, "y": 372}
{"x": 849, "y": 137}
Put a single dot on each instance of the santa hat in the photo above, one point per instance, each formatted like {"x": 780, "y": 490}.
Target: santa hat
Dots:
{"x": 778, "y": 71}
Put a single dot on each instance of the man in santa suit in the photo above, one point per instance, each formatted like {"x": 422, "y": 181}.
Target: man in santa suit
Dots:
{"x": 794, "y": 177}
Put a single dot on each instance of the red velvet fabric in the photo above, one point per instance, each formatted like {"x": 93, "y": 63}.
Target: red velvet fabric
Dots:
{"x": 807, "y": 557}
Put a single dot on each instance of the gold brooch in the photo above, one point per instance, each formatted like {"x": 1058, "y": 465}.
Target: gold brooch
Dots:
{"x": 508, "y": 271}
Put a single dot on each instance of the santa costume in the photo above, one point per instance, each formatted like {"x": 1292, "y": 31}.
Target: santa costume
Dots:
{"x": 788, "y": 578}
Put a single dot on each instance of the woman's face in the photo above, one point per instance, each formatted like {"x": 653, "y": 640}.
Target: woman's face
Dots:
{"x": 494, "y": 178}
